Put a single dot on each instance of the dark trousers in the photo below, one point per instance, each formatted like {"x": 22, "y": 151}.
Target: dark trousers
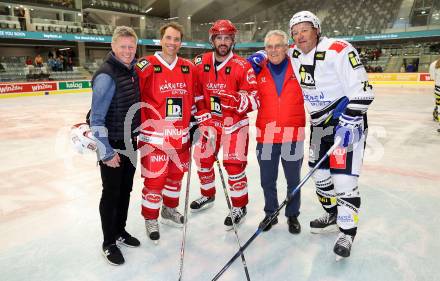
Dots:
{"x": 117, "y": 184}
{"x": 268, "y": 156}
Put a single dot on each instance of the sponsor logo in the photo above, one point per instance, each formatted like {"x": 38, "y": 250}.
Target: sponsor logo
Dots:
{"x": 178, "y": 88}
{"x": 354, "y": 59}
{"x": 184, "y": 68}
{"x": 10, "y": 88}
{"x": 215, "y": 86}
{"x": 142, "y": 64}
{"x": 216, "y": 107}
{"x": 239, "y": 186}
{"x": 172, "y": 132}
{"x": 295, "y": 54}
{"x": 157, "y": 69}
{"x": 41, "y": 87}
{"x": 316, "y": 100}
{"x": 153, "y": 198}
{"x": 206, "y": 67}
{"x": 320, "y": 55}
{"x": 306, "y": 72}
{"x": 174, "y": 108}
{"x": 346, "y": 218}
{"x": 158, "y": 158}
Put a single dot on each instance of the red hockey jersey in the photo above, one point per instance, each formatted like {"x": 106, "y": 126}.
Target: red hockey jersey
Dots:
{"x": 167, "y": 95}
{"x": 233, "y": 74}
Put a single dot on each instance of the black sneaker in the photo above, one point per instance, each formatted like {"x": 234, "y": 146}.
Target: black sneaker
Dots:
{"x": 127, "y": 240}
{"x": 202, "y": 203}
{"x": 294, "y": 225}
{"x": 238, "y": 214}
{"x": 113, "y": 255}
{"x": 324, "y": 224}
{"x": 268, "y": 226}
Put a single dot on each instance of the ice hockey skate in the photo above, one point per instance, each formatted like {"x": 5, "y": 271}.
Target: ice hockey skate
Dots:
{"x": 172, "y": 217}
{"x": 202, "y": 203}
{"x": 343, "y": 246}
{"x": 238, "y": 214}
{"x": 152, "y": 228}
{"x": 324, "y": 224}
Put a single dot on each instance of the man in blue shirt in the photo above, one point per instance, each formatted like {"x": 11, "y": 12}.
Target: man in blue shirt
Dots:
{"x": 114, "y": 119}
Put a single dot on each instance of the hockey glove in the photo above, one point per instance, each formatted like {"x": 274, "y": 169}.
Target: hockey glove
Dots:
{"x": 349, "y": 129}
{"x": 256, "y": 60}
{"x": 234, "y": 101}
{"x": 204, "y": 120}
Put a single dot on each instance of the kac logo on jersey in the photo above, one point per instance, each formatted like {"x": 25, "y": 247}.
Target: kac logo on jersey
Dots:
{"x": 216, "y": 107}
{"x": 174, "y": 108}
{"x": 354, "y": 59}
{"x": 306, "y": 72}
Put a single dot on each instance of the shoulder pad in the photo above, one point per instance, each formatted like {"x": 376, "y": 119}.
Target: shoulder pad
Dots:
{"x": 338, "y": 46}
{"x": 142, "y": 64}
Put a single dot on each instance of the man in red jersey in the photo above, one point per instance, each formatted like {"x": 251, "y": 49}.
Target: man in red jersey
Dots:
{"x": 228, "y": 87}
{"x": 167, "y": 87}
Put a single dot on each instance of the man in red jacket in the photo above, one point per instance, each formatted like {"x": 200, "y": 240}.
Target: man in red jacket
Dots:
{"x": 280, "y": 128}
{"x": 228, "y": 91}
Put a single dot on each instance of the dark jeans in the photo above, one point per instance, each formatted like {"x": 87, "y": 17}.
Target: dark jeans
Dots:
{"x": 268, "y": 156}
{"x": 117, "y": 184}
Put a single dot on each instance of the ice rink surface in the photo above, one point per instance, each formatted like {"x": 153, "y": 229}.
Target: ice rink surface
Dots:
{"x": 50, "y": 228}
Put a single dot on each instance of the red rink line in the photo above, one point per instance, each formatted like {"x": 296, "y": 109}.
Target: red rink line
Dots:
{"x": 402, "y": 172}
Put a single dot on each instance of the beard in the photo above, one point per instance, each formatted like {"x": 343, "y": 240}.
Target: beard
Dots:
{"x": 222, "y": 52}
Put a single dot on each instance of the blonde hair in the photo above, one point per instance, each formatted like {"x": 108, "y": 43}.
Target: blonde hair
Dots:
{"x": 174, "y": 25}
{"x": 124, "y": 31}
{"x": 437, "y": 64}
{"x": 278, "y": 33}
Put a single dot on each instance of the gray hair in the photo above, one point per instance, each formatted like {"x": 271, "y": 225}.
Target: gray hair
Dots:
{"x": 124, "y": 31}
{"x": 278, "y": 33}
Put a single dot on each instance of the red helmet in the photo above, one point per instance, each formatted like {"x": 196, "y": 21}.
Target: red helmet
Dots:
{"x": 222, "y": 27}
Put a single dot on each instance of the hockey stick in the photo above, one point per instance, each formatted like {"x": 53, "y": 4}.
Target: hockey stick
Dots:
{"x": 185, "y": 216}
{"x": 228, "y": 201}
{"x": 275, "y": 214}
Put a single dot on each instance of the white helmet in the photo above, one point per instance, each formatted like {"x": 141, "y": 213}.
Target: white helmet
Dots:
{"x": 82, "y": 138}
{"x": 304, "y": 16}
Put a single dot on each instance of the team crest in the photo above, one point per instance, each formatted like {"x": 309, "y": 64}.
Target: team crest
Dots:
{"x": 228, "y": 70}
{"x": 198, "y": 60}
{"x": 157, "y": 69}
{"x": 206, "y": 67}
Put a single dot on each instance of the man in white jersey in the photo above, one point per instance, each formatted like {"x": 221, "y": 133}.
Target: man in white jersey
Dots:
{"x": 337, "y": 95}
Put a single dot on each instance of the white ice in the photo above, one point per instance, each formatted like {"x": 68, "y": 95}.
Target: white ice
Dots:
{"x": 50, "y": 227}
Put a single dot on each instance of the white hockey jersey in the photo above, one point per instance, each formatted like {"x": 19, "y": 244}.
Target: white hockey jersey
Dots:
{"x": 329, "y": 72}
{"x": 434, "y": 73}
